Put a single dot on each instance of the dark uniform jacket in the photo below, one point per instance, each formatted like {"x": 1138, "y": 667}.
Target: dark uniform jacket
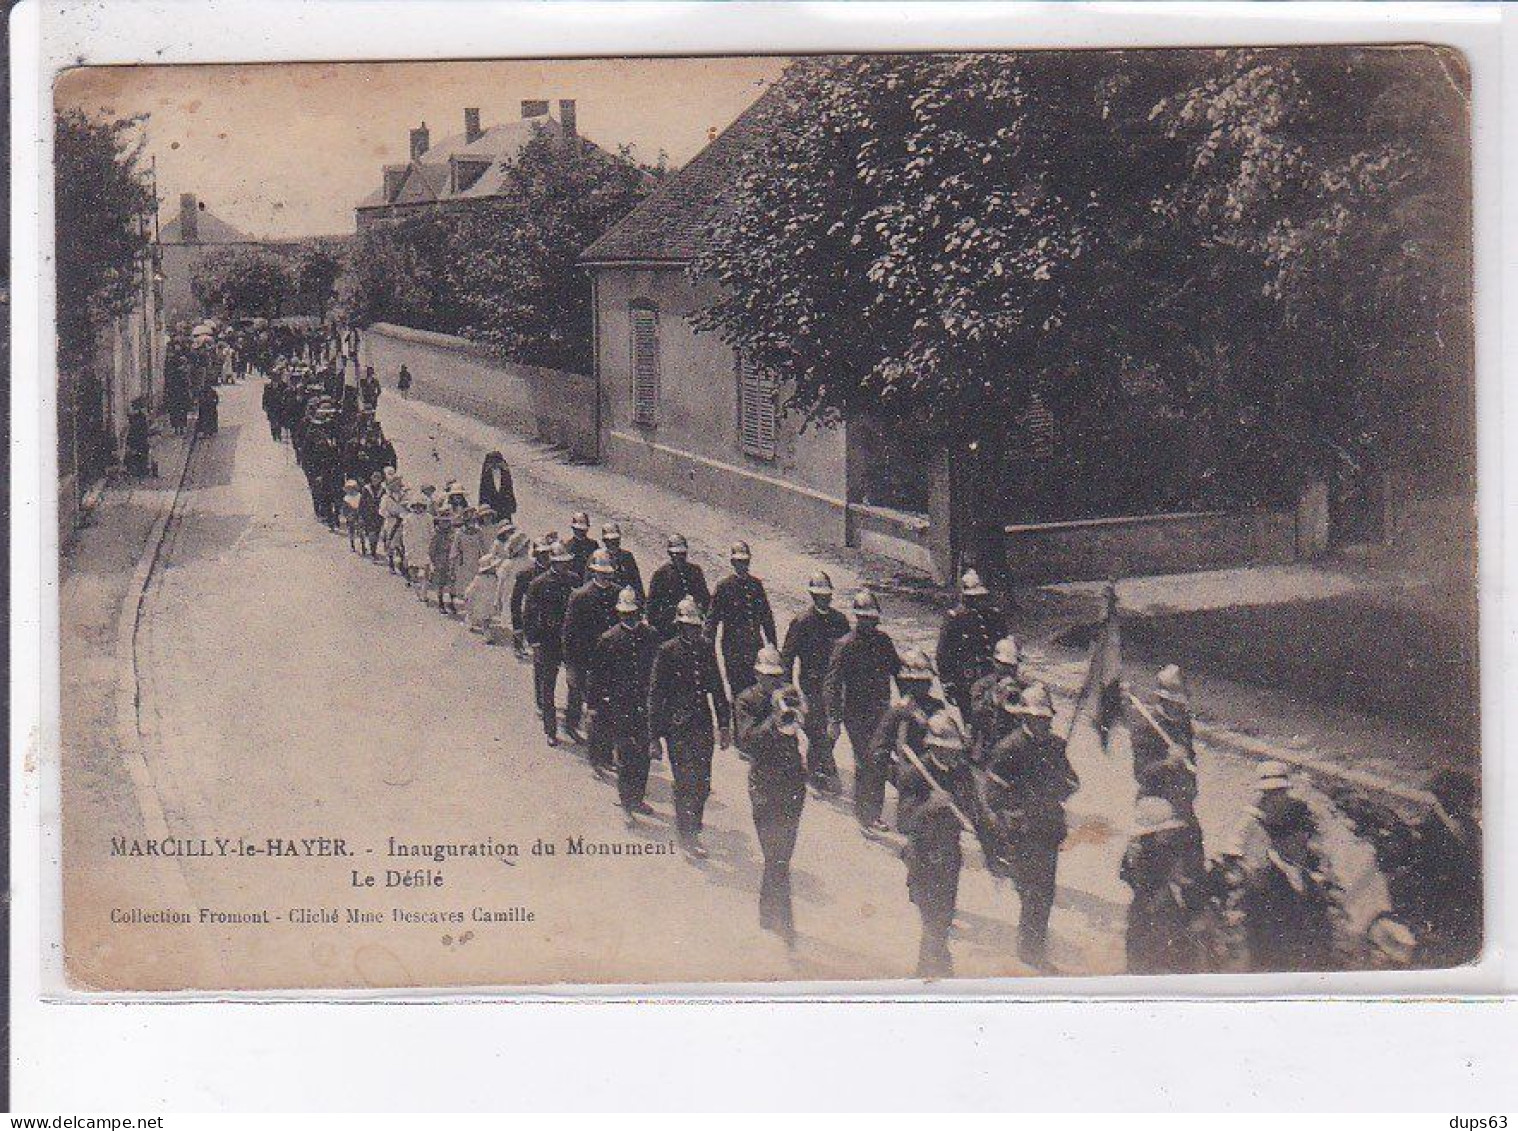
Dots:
{"x": 592, "y": 610}
{"x": 620, "y": 670}
{"x": 581, "y": 547}
{"x": 810, "y": 640}
{"x": 519, "y": 584}
{"x": 774, "y": 757}
{"x": 628, "y": 573}
{"x": 1290, "y": 925}
{"x": 989, "y": 720}
{"x": 932, "y": 829}
{"x": 741, "y": 604}
{"x": 684, "y": 678}
{"x": 1168, "y": 931}
{"x": 545, "y": 606}
{"x": 1161, "y": 773}
{"x": 905, "y": 723}
{"x": 965, "y": 644}
{"x": 1027, "y": 782}
{"x": 670, "y": 582}
{"x": 858, "y": 683}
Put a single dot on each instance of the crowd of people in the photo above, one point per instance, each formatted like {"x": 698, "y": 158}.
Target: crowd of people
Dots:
{"x": 677, "y": 669}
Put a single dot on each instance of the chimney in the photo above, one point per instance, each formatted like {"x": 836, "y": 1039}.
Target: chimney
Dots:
{"x": 420, "y": 141}
{"x": 472, "y": 131}
{"x": 534, "y": 107}
{"x": 567, "y": 117}
{"x": 189, "y": 218}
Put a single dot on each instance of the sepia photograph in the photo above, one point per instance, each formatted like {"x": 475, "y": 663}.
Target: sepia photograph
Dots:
{"x": 896, "y": 519}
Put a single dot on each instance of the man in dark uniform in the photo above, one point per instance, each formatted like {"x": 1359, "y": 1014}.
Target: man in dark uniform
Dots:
{"x": 768, "y": 718}
{"x": 628, "y": 574}
{"x": 905, "y": 722}
{"x": 592, "y": 611}
{"x": 1003, "y": 684}
{"x": 740, "y": 611}
{"x": 1166, "y": 918}
{"x": 534, "y": 568}
{"x": 858, "y": 690}
{"x": 543, "y": 612}
{"x": 685, "y": 691}
{"x": 1289, "y": 908}
{"x": 1028, "y": 779}
{"x": 931, "y": 785}
{"x": 671, "y": 583}
{"x": 967, "y": 640}
{"x": 618, "y": 694}
{"x": 581, "y": 544}
{"x": 808, "y": 650}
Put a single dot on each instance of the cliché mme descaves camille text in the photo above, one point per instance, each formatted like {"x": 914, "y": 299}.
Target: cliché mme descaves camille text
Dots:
{"x": 435, "y": 853}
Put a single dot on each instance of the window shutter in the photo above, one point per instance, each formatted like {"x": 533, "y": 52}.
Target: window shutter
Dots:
{"x": 645, "y": 365}
{"x": 758, "y": 411}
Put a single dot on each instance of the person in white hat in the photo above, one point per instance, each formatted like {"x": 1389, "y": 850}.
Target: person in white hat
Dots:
{"x": 740, "y": 615}
{"x": 591, "y": 611}
{"x": 617, "y": 692}
{"x": 807, "y": 651}
{"x": 989, "y": 695}
{"x": 671, "y": 583}
{"x": 932, "y": 785}
{"x": 967, "y": 640}
{"x": 353, "y": 498}
{"x": 858, "y": 690}
{"x": 1029, "y": 779}
{"x": 1166, "y": 930}
{"x": 685, "y": 697}
{"x": 483, "y": 596}
{"x": 1273, "y": 793}
{"x": 768, "y": 717}
{"x": 1164, "y": 752}
{"x": 537, "y": 565}
{"x": 905, "y": 721}
{"x": 543, "y": 612}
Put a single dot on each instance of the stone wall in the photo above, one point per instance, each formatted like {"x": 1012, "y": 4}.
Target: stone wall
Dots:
{"x": 552, "y": 405}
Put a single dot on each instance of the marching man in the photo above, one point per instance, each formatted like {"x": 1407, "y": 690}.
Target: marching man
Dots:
{"x": 808, "y": 650}
{"x": 618, "y": 693}
{"x": 685, "y": 694}
{"x": 740, "y": 612}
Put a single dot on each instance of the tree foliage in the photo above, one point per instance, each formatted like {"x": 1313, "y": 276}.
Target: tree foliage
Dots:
{"x": 316, "y": 268}
{"x": 243, "y": 282}
{"x": 101, "y": 206}
{"x": 503, "y": 271}
{"x": 1208, "y": 264}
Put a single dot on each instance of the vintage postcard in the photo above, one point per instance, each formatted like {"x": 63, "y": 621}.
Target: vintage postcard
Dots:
{"x": 630, "y": 522}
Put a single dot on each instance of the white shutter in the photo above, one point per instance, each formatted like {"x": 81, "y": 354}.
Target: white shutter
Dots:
{"x": 644, "y": 321}
{"x": 758, "y": 411}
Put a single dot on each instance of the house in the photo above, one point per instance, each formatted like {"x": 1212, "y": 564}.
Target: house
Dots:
{"x": 679, "y": 408}
{"x": 464, "y": 168}
{"x": 193, "y": 235}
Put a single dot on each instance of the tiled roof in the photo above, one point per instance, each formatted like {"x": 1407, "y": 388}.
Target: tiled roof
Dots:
{"x": 671, "y": 224}
{"x": 428, "y": 179}
{"x": 209, "y": 229}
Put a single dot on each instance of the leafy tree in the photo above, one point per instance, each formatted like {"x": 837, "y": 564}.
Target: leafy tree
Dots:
{"x": 318, "y": 265}
{"x": 1187, "y": 255}
{"x": 503, "y": 272}
{"x": 243, "y": 282}
{"x": 102, "y": 203}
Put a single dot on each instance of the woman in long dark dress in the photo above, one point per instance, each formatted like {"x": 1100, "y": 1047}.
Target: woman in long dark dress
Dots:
{"x": 495, "y": 486}
{"x": 206, "y": 418}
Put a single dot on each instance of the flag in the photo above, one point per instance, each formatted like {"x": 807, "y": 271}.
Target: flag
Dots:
{"x": 1099, "y": 703}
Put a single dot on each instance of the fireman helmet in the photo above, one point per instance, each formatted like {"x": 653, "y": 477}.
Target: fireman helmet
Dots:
{"x": 820, "y": 584}
{"x": 1172, "y": 686}
{"x": 627, "y": 600}
{"x": 676, "y": 544}
{"x": 1008, "y": 651}
{"x": 579, "y": 521}
{"x": 611, "y": 532}
{"x": 944, "y": 732}
{"x": 687, "y": 611}
{"x": 561, "y": 553}
{"x": 768, "y": 661}
{"x": 915, "y": 667}
{"x": 970, "y": 585}
{"x": 865, "y": 604}
{"x": 1035, "y": 701}
{"x": 739, "y": 552}
{"x": 600, "y": 562}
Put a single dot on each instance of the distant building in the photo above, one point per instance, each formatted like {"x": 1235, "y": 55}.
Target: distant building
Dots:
{"x": 184, "y": 241}
{"x": 464, "y": 168}
{"x": 679, "y": 408}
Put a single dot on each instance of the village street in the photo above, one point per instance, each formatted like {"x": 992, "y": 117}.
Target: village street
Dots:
{"x": 290, "y": 689}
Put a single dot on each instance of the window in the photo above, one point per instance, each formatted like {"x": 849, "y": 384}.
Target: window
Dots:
{"x": 644, "y": 322}
{"x": 757, "y": 411}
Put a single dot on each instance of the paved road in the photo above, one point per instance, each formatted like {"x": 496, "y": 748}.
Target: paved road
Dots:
{"x": 294, "y": 690}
